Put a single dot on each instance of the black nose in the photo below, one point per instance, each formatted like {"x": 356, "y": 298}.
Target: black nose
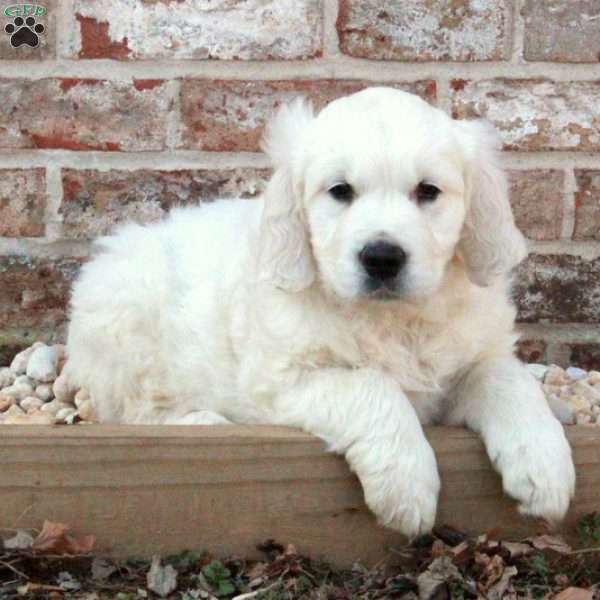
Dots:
{"x": 382, "y": 260}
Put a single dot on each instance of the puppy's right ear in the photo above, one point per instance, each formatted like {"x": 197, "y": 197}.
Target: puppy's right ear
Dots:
{"x": 285, "y": 258}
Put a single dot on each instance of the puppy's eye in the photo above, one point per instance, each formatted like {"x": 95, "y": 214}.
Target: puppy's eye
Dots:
{"x": 426, "y": 192}
{"x": 342, "y": 192}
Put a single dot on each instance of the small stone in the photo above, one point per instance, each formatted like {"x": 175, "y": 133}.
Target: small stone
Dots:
{"x": 19, "y": 363}
{"x": 593, "y": 378}
{"x": 66, "y": 415}
{"x": 7, "y": 377}
{"x": 44, "y": 392}
{"x": 575, "y": 373}
{"x": 583, "y": 419}
{"x": 33, "y": 418}
{"x": 63, "y": 391}
{"x": 31, "y": 403}
{"x": 43, "y": 364}
{"x": 6, "y": 402}
{"x": 13, "y": 411}
{"x": 587, "y": 391}
{"x": 54, "y": 406}
{"x": 537, "y": 370}
{"x": 18, "y": 391}
{"x": 562, "y": 411}
{"x": 579, "y": 404}
{"x": 555, "y": 375}
{"x": 24, "y": 379}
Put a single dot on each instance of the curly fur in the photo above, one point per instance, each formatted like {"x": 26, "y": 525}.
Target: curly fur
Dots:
{"x": 257, "y": 312}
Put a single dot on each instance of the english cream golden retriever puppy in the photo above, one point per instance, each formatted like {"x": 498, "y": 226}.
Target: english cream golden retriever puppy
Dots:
{"x": 366, "y": 294}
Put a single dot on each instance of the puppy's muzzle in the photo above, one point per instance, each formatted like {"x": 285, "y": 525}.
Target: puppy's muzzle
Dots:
{"x": 382, "y": 261}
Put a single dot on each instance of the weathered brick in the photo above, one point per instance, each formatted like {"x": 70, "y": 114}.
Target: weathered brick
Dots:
{"x": 94, "y": 201}
{"x": 536, "y": 199}
{"x": 558, "y": 289}
{"x": 230, "y": 115}
{"x": 531, "y": 351}
{"x": 562, "y": 30}
{"x": 22, "y": 202}
{"x": 184, "y": 29}
{"x": 587, "y": 205}
{"x": 535, "y": 114}
{"x": 46, "y": 47}
{"x": 585, "y": 356}
{"x": 35, "y": 292}
{"x": 417, "y": 30}
{"x": 83, "y": 114}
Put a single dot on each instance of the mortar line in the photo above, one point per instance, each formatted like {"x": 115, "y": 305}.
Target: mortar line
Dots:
{"x": 444, "y": 95}
{"x": 338, "y": 66}
{"x": 54, "y": 196}
{"x": 588, "y": 250}
{"x": 517, "y": 53}
{"x": 570, "y": 187}
{"x": 331, "y": 46}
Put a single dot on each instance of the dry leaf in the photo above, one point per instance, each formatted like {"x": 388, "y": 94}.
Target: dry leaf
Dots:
{"x": 574, "y": 593}
{"x": 441, "y": 570}
{"x": 496, "y": 592}
{"x": 21, "y": 541}
{"x": 161, "y": 580}
{"x": 551, "y": 542}
{"x": 517, "y": 549}
{"x": 54, "y": 539}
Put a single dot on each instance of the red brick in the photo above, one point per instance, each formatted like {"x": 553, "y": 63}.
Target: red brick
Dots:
{"x": 535, "y": 114}
{"x": 83, "y": 114}
{"x": 186, "y": 29}
{"x": 587, "y": 205}
{"x": 35, "y": 292}
{"x": 230, "y": 115}
{"x": 95, "y": 201}
{"x": 46, "y": 48}
{"x": 423, "y": 30}
{"x": 562, "y": 30}
{"x": 531, "y": 351}
{"x": 558, "y": 289}
{"x": 22, "y": 202}
{"x": 536, "y": 196}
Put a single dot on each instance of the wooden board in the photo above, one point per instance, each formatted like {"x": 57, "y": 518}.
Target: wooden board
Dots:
{"x": 145, "y": 489}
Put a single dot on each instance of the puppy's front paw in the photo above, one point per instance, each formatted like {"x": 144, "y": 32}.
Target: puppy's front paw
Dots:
{"x": 539, "y": 472}
{"x": 404, "y": 495}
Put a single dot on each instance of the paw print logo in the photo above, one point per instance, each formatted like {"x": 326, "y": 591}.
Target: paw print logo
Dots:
{"x": 24, "y": 32}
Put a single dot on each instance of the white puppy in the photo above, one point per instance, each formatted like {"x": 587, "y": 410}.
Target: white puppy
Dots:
{"x": 367, "y": 291}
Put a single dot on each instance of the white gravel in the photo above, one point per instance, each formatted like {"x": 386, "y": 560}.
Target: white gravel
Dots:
{"x": 33, "y": 390}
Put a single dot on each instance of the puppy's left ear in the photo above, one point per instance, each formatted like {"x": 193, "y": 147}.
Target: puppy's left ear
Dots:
{"x": 284, "y": 253}
{"x": 490, "y": 245}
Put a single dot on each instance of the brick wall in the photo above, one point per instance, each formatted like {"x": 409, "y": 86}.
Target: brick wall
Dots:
{"x": 130, "y": 107}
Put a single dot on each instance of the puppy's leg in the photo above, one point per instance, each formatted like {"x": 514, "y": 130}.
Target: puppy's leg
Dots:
{"x": 503, "y": 402}
{"x": 198, "y": 417}
{"x": 363, "y": 414}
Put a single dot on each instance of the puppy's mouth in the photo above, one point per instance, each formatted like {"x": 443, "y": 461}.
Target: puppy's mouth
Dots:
{"x": 376, "y": 289}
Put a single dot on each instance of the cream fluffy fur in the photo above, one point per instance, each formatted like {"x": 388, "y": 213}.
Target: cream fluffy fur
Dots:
{"x": 257, "y": 311}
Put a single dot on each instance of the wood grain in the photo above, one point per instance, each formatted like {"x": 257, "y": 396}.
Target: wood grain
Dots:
{"x": 145, "y": 489}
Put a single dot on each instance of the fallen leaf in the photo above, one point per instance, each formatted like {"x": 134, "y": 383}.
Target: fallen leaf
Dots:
{"x": 496, "y": 592}
{"x": 574, "y": 593}
{"x": 551, "y": 542}
{"x": 517, "y": 549}
{"x": 161, "y": 580}
{"x": 102, "y": 569}
{"x": 54, "y": 539}
{"x": 21, "y": 541}
{"x": 442, "y": 570}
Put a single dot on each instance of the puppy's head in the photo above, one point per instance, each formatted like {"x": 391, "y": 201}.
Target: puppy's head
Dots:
{"x": 375, "y": 195}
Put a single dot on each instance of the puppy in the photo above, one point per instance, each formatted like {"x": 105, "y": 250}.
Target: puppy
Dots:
{"x": 365, "y": 294}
